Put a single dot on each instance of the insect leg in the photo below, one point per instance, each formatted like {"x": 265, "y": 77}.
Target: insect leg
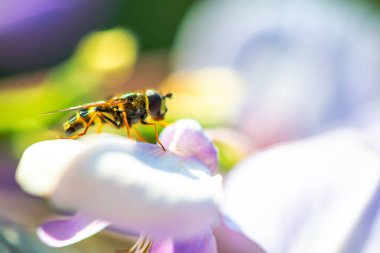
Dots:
{"x": 126, "y": 124}
{"x": 138, "y": 135}
{"x": 100, "y": 124}
{"x": 106, "y": 118}
{"x": 155, "y": 131}
{"x": 85, "y": 129}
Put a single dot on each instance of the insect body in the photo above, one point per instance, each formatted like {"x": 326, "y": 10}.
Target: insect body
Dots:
{"x": 123, "y": 111}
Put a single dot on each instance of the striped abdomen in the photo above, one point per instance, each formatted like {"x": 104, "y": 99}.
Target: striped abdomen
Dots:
{"x": 79, "y": 120}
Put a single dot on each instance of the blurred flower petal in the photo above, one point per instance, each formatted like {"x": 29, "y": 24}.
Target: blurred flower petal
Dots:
{"x": 187, "y": 138}
{"x": 50, "y": 28}
{"x": 317, "y": 195}
{"x": 204, "y": 243}
{"x": 232, "y": 146}
{"x": 139, "y": 187}
{"x": 43, "y": 163}
{"x": 228, "y": 240}
{"x": 201, "y": 95}
{"x": 307, "y": 63}
{"x": 63, "y": 232}
{"x": 162, "y": 246}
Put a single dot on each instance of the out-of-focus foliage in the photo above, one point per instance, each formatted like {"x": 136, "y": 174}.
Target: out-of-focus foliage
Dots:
{"x": 155, "y": 22}
{"x": 113, "y": 50}
{"x": 374, "y": 5}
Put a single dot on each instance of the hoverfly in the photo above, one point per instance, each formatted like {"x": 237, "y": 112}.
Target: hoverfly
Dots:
{"x": 119, "y": 111}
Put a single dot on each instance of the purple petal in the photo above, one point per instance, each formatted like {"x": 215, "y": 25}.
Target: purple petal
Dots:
{"x": 204, "y": 243}
{"x": 307, "y": 196}
{"x": 229, "y": 240}
{"x": 162, "y": 246}
{"x": 63, "y": 232}
{"x": 186, "y": 138}
{"x": 140, "y": 188}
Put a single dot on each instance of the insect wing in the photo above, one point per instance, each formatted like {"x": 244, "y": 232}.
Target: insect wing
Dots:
{"x": 75, "y": 108}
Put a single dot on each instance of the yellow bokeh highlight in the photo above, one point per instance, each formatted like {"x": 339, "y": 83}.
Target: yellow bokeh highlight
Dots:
{"x": 211, "y": 96}
{"x": 108, "y": 50}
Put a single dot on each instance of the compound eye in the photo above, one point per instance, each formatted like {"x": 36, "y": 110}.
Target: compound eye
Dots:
{"x": 154, "y": 100}
{"x": 163, "y": 109}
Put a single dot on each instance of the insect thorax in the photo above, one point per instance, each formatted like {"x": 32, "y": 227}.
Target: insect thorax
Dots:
{"x": 135, "y": 106}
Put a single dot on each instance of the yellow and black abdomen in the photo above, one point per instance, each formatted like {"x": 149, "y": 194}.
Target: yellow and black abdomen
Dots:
{"x": 79, "y": 120}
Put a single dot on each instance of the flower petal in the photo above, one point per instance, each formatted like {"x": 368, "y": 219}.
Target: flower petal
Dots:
{"x": 229, "y": 240}
{"x": 43, "y": 164}
{"x": 186, "y": 138}
{"x": 63, "y": 232}
{"x": 204, "y": 243}
{"x": 306, "y": 196}
{"x": 162, "y": 246}
{"x": 139, "y": 187}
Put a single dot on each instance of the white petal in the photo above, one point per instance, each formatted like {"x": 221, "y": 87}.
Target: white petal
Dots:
{"x": 308, "y": 196}
{"x": 43, "y": 164}
{"x": 139, "y": 187}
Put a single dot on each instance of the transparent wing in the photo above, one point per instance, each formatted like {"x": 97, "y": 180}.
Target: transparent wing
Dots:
{"x": 75, "y": 108}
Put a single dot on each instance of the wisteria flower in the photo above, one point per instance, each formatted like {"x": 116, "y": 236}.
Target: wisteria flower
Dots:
{"x": 169, "y": 196}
